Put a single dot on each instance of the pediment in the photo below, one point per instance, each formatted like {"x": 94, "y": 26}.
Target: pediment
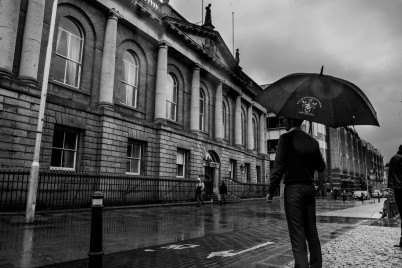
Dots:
{"x": 208, "y": 39}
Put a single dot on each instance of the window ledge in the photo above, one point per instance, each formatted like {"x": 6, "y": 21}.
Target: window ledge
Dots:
{"x": 62, "y": 168}
{"x": 70, "y": 87}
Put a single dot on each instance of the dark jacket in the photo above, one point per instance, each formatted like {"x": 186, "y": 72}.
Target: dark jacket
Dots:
{"x": 395, "y": 171}
{"x": 297, "y": 158}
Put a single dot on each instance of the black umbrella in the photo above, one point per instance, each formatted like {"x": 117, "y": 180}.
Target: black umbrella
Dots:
{"x": 324, "y": 99}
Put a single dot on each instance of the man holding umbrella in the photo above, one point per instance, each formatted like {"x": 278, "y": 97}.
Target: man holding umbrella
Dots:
{"x": 297, "y": 157}
{"x": 395, "y": 182}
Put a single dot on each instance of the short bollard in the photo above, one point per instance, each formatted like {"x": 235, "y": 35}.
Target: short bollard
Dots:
{"x": 96, "y": 247}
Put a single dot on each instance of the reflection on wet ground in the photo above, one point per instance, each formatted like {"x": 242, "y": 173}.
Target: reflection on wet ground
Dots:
{"x": 59, "y": 237}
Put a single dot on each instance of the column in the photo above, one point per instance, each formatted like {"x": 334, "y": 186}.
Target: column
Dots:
{"x": 31, "y": 42}
{"x": 161, "y": 81}
{"x": 218, "y": 113}
{"x": 250, "y": 129}
{"x": 238, "y": 126}
{"x": 262, "y": 138}
{"x": 108, "y": 60}
{"x": 9, "y": 14}
{"x": 195, "y": 100}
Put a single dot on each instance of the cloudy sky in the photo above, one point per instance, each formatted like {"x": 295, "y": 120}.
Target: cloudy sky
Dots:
{"x": 356, "y": 40}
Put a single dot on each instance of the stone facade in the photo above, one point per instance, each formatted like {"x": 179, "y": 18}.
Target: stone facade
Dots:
{"x": 93, "y": 110}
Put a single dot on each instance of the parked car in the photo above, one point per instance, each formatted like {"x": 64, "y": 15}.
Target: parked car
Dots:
{"x": 358, "y": 195}
{"x": 376, "y": 193}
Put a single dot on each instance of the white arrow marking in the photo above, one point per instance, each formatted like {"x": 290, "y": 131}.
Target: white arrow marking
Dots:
{"x": 229, "y": 253}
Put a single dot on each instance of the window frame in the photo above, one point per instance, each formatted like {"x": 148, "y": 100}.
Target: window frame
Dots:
{"x": 202, "y": 111}
{"x": 224, "y": 120}
{"x": 63, "y": 149}
{"x": 140, "y": 158}
{"x": 65, "y": 58}
{"x": 134, "y": 87}
{"x": 183, "y": 165}
{"x": 173, "y": 102}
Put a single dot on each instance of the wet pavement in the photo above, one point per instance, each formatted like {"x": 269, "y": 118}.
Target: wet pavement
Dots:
{"x": 245, "y": 234}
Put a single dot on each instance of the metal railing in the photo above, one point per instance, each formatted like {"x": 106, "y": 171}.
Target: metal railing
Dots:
{"x": 68, "y": 190}
{"x": 245, "y": 190}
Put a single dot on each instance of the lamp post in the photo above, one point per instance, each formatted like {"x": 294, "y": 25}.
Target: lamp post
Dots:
{"x": 96, "y": 245}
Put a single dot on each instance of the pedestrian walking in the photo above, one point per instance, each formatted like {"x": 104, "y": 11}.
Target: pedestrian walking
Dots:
{"x": 223, "y": 190}
{"x": 199, "y": 189}
{"x": 344, "y": 196}
{"x": 362, "y": 197}
{"x": 297, "y": 157}
{"x": 395, "y": 182}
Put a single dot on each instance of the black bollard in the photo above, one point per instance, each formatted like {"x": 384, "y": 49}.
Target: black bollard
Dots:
{"x": 96, "y": 246}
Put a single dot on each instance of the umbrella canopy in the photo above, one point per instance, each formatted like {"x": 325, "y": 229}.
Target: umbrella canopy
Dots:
{"x": 319, "y": 98}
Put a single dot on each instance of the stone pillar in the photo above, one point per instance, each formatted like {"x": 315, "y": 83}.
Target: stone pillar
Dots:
{"x": 250, "y": 130}
{"x": 161, "y": 81}
{"x": 238, "y": 126}
{"x": 9, "y": 14}
{"x": 195, "y": 100}
{"x": 218, "y": 113}
{"x": 262, "y": 138}
{"x": 31, "y": 42}
{"x": 109, "y": 60}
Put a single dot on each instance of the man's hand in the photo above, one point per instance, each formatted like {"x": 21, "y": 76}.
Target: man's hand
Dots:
{"x": 269, "y": 198}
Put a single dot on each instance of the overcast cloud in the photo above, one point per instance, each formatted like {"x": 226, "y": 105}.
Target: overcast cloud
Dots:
{"x": 356, "y": 40}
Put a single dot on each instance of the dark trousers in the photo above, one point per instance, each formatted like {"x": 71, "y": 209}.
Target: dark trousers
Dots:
{"x": 301, "y": 218}
{"x": 398, "y": 200}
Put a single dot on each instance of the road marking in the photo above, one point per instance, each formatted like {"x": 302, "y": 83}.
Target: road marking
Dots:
{"x": 184, "y": 246}
{"x": 229, "y": 253}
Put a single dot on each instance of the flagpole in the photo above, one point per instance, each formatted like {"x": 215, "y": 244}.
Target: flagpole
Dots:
{"x": 33, "y": 176}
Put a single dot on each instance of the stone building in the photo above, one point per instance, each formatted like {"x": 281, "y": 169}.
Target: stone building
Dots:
{"x": 355, "y": 163}
{"x": 133, "y": 88}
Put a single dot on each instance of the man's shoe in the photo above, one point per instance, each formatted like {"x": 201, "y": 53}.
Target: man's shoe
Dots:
{"x": 398, "y": 246}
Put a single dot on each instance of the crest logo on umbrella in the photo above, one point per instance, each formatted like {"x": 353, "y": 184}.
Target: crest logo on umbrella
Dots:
{"x": 308, "y": 106}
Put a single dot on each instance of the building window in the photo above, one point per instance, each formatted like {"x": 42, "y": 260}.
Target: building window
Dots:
{"x": 134, "y": 158}
{"x": 68, "y": 61}
{"x": 171, "y": 98}
{"x": 202, "y": 110}
{"x": 129, "y": 90}
{"x": 255, "y": 134}
{"x": 224, "y": 120}
{"x": 64, "y": 149}
{"x": 276, "y": 122}
{"x": 247, "y": 172}
{"x": 258, "y": 168}
{"x": 181, "y": 163}
{"x": 232, "y": 169}
{"x": 243, "y": 128}
{"x": 272, "y": 145}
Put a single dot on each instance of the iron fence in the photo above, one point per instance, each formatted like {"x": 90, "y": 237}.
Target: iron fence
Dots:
{"x": 64, "y": 189}
{"x": 68, "y": 190}
{"x": 244, "y": 190}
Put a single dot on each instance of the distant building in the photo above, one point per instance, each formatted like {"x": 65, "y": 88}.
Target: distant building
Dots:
{"x": 354, "y": 161}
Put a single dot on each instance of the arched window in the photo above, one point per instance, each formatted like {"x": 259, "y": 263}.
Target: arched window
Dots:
{"x": 171, "y": 98}
{"x": 202, "y": 110}
{"x": 243, "y": 128}
{"x": 129, "y": 90}
{"x": 224, "y": 120}
{"x": 255, "y": 134}
{"x": 68, "y": 61}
